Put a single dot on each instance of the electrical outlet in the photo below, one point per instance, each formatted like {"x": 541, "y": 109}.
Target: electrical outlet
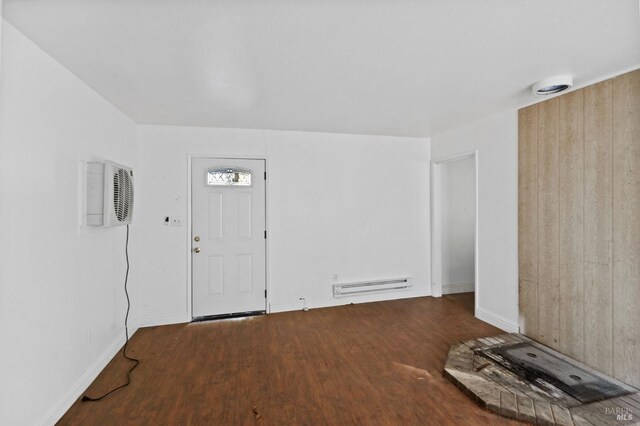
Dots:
{"x": 335, "y": 277}
{"x": 88, "y": 336}
{"x": 304, "y": 303}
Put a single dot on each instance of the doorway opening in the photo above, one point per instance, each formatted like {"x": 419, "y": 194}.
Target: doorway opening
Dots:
{"x": 454, "y": 229}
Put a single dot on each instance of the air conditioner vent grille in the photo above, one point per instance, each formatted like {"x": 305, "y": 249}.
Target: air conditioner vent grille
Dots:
{"x": 122, "y": 194}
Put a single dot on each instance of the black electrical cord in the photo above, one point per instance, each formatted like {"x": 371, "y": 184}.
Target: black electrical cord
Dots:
{"x": 126, "y": 332}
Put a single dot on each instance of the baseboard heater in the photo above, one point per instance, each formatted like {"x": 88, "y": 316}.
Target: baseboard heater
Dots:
{"x": 350, "y": 289}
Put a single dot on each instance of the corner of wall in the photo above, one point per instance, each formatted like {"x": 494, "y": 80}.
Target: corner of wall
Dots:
{"x": 49, "y": 119}
{"x": 494, "y": 139}
{"x": 71, "y": 396}
{"x": 497, "y": 320}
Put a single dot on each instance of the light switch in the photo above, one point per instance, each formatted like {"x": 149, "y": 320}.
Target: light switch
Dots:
{"x": 173, "y": 220}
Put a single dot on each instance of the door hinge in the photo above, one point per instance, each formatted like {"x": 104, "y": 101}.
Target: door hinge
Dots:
{"x": 265, "y": 294}
{"x": 265, "y": 235}
{"x": 265, "y": 175}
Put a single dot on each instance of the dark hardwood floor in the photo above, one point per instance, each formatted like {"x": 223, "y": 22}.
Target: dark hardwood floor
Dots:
{"x": 369, "y": 364}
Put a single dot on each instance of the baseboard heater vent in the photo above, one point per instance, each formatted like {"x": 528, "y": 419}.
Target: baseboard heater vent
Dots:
{"x": 350, "y": 289}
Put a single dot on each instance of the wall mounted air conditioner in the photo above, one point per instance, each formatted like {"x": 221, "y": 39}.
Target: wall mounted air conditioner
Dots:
{"x": 109, "y": 194}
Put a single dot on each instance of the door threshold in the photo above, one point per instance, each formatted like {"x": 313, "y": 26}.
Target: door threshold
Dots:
{"x": 228, "y": 316}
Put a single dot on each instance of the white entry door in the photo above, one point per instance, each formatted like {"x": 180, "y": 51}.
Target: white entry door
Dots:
{"x": 228, "y": 236}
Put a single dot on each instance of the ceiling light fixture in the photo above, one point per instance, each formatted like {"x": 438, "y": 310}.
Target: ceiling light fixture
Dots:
{"x": 552, "y": 85}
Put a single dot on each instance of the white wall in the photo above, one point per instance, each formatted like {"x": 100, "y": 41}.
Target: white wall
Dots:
{"x": 496, "y": 140}
{"x": 457, "y": 222}
{"x": 1, "y": 19}
{"x": 356, "y": 206}
{"x": 61, "y": 300}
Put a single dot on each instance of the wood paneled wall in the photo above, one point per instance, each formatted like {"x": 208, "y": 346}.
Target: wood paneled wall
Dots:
{"x": 579, "y": 225}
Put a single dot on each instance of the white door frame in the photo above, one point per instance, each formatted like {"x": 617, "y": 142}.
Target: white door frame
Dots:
{"x": 436, "y": 202}
{"x": 190, "y": 158}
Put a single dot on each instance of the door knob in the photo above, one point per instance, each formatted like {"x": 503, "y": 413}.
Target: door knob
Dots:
{"x": 196, "y": 238}
{"x": 196, "y": 250}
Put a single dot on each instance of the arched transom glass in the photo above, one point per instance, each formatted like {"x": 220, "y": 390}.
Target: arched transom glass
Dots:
{"x": 229, "y": 177}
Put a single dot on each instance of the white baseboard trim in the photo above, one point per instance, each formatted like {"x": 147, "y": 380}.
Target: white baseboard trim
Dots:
{"x": 164, "y": 320}
{"x": 326, "y": 303}
{"x": 274, "y": 307}
{"x": 60, "y": 408}
{"x": 458, "y": 288}
{"x": 496, "y": 320}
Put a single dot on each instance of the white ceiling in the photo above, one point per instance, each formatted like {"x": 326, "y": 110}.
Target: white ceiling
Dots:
{"x": 389, "y": 67}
